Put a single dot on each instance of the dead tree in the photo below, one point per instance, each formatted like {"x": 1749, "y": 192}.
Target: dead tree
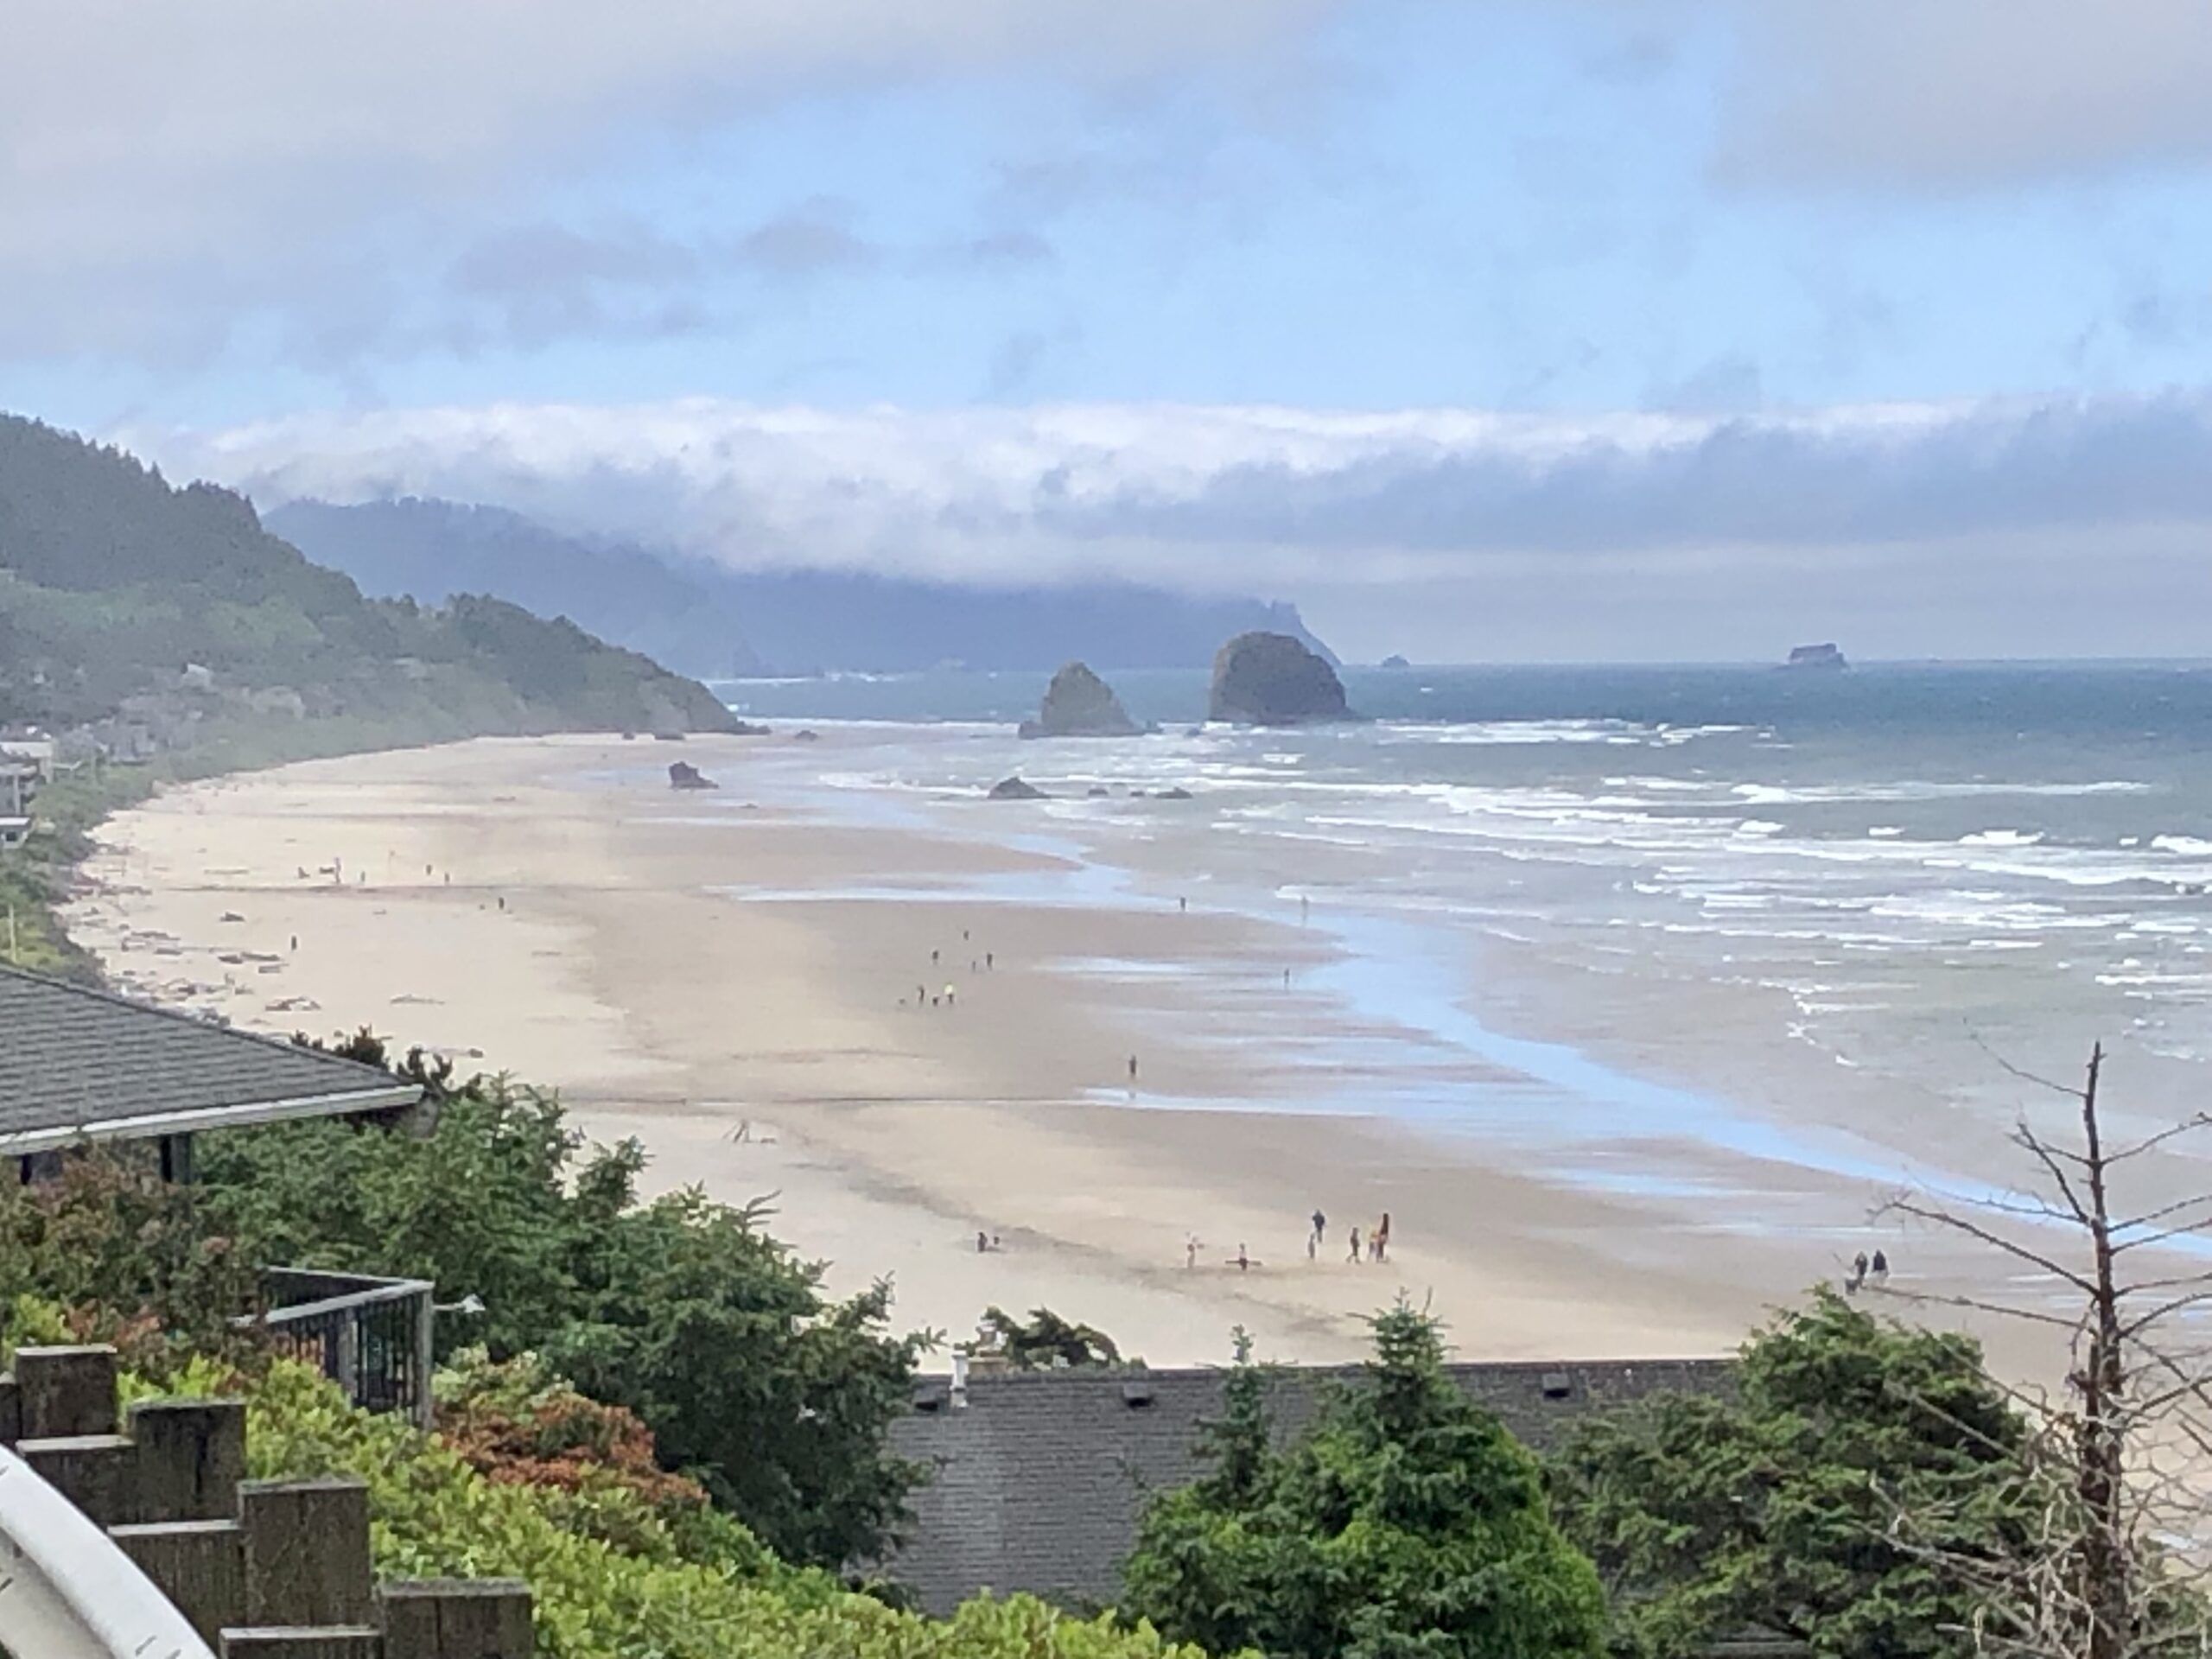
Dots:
{"x": 2117, "y": 1472}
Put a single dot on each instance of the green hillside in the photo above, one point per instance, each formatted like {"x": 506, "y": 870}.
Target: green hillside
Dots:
{"x": 121, "y": 594}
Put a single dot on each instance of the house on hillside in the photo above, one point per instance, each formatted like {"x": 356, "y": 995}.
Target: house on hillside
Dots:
{"x": 1039, "y": 1475}
{"x": 80, "y": 1066}
{"x": 18, "y": 784}
{"x": 27, "y": 747}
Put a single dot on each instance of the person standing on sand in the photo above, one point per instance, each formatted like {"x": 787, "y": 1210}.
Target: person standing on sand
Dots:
{"x": 1379, "y": 1240}
{"x": 1354, "y": 1257}
{"x": 1191, "y": 1248}
{"x": 1320, "y": 1231}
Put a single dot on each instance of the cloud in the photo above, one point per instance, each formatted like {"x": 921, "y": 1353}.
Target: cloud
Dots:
{"x": 2049, "y": 527}
{"x": 1075, "y": 490}
{"x": 1964, "y": 94}
{"x": 166, "y": 171}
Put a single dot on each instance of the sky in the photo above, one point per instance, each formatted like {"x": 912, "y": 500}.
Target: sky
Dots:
{"x": 1623, "y": 329}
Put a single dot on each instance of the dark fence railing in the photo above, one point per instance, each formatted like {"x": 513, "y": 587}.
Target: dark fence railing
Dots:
{"x": 372, "y": 1337}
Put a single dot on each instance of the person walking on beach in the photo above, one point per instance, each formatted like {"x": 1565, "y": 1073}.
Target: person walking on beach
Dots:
{"x": 1880, "y": 1270}
{"x": 1191, "y": 1248}
{"x": 1378, "y": 1242}
{"x": 1858, "y": 1275}
{"x": 1244, "y": 1261}
{"x": 1320, "y": 1234}
{"x": 1354, "y": 1257}
{"x": 1133, "y": 1070}
{"x": 948, "y": 995}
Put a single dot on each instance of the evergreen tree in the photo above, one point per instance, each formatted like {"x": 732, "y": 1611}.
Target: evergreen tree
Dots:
{"x": 1774, "y": 1509}
{"x": 1406, "y": 1523}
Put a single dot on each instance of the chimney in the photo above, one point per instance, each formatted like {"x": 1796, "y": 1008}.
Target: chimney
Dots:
{"x": 959, "y": 1380}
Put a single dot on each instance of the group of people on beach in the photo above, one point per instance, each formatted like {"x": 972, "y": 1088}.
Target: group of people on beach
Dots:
{"x": 1378, "y": 1239}
{"x": 950, "y": 996}
{"x": 1873, "y": 1271}
{"x": 1376, "y": 1247}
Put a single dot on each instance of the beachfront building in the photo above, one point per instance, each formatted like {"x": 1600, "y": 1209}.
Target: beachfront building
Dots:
{"x": 80, "y": 1066}
{"x": 1038, "y": 1476}
{"x": 19, "y": 782}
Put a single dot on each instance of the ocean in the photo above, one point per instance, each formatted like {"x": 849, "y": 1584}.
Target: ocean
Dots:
{"x": 1607, "y": 922}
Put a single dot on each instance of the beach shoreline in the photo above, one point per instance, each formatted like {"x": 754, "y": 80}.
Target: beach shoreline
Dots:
{"x": 742, "y": 981}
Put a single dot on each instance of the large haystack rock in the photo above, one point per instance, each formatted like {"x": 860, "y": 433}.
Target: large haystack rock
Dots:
{"x": 1078, "y": 704}
{"x": 1271, "y": 679}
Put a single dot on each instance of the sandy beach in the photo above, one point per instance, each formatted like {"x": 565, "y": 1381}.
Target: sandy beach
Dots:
{"x": 758, "y": 994}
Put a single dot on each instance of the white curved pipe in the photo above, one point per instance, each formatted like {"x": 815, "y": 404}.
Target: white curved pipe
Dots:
{"x": 66, "y": 1591}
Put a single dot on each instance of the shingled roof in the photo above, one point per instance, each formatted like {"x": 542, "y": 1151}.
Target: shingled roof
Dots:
{"x": 1040, "y": 1476}
{"x": 78, "y": 1064}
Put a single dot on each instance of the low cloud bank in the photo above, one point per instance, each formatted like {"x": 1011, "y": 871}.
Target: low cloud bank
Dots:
{"x": 1988, "y": 522}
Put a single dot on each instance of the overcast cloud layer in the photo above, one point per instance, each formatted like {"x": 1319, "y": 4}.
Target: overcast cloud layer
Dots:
{"x": 172, "y": 176}
{"x": 1954, "y": 514}
{"x": 168, "y": 167}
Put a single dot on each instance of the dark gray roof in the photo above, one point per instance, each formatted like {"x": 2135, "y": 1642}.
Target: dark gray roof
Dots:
{"x": 1039, "y": 1475}
{"x": 78, "y": 1064}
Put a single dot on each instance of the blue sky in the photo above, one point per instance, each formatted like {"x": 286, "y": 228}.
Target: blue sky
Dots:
{"x": 250, "y": 249}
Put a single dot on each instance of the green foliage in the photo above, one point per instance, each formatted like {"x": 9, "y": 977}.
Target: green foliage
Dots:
{"x": 656, "y": 1596}
{"x": 1772, "y": 1509}
{"x": 683, "y": 1311}
{"x": 1047, "y": 1340}
{"x": 1407, "y": 1522}
{"x": 124, "y": 1256}
{"x": 112, "y": 581}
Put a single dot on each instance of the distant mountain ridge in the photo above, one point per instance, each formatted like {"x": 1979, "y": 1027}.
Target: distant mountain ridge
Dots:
{"x": 123, "y": 595}
{"x": 711, "y": 620}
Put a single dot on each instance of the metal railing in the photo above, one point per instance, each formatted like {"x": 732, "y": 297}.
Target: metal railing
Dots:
{"x": 372, "y": 1337}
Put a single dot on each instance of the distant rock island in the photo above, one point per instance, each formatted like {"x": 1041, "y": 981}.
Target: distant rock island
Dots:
{"x": 1394, "y": 661}
{"x": 1078, "y": 704}
{"x": 1816, "y": 657}
{"x": 1016, "y": 789}
{"x": 1271, "y": 679}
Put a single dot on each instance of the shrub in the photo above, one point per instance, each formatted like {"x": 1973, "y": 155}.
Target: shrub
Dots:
{"x": 657, "y": 1597}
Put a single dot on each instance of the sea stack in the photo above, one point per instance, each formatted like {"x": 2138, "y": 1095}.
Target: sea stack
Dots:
{"x": 1016, "y": 789}
{"x": 1816, "y": 657}
{"x": 684, "y": 775}
{"x": 1078, "y": 704}
{"x": 1271, "y": 679}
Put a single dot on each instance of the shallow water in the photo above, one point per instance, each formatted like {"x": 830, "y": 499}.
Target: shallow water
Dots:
{"x": 1805, "y": 920}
